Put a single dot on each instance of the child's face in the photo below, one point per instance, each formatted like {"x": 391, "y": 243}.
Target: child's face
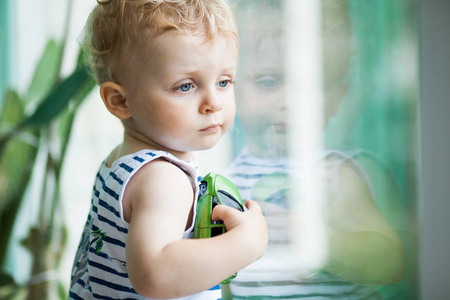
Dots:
{"x": 181, "y": 95}
{"x": 263, "y": 108}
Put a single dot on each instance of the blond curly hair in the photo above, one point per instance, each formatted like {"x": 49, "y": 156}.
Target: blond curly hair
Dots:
{"x": 115, "y": 28}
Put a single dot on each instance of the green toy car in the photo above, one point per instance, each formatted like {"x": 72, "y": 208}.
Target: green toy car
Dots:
{"x": 215, "y": 189}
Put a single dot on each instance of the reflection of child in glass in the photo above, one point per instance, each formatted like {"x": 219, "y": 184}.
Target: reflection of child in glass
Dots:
{"x": 364, "y": 250}
{"x": 166, "y": 70}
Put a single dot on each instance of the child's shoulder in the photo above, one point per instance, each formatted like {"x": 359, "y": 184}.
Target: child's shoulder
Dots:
{"x": 145, "y": 155}
{"x": 162, "y": 171}
{"x": 156, "y": 179}
{"x": 142, "y": 157}
{"x": 346, "y": 175}
{"x": 152, "y": 161}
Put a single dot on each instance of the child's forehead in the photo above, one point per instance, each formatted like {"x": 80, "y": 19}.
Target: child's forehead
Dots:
{"x": 174, "y": 50}
{"x": 197, "y": 39}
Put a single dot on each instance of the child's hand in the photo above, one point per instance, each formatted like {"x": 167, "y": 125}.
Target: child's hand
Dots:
{"x": 251, "y": 223}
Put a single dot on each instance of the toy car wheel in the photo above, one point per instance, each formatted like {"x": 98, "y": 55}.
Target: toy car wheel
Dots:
{"x": 202, "y": 188}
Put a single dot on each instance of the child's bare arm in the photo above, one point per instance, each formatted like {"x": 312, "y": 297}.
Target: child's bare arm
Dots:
{"x": 160, "y": 263}
{"x": 364, "y": 248}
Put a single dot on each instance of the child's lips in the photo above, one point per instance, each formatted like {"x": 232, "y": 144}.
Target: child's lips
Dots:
{"x": 280, "y": 127}
{"x": 212, "y": 128}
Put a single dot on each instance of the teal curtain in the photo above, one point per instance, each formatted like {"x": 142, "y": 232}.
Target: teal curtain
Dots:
{"x": 5, "y": 18}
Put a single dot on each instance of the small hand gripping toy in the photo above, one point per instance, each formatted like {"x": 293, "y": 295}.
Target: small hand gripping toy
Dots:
{"x": 215, "y": 189}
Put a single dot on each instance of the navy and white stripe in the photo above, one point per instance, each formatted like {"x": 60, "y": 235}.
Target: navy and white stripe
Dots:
{"x": 269, "y": 278}
{"x": 99, "y": 270}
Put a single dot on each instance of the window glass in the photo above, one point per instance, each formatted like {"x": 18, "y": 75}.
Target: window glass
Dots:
{"x": 326, "y": 141}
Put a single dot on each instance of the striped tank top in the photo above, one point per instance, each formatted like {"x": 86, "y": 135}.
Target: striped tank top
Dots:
{"x": 99, "y": 270}
{"x": 272, "y": 277}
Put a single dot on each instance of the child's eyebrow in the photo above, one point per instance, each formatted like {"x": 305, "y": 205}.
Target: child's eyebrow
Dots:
{"x": 266, "y": 72}
{"x": 182, "y": 71}
{"x": 230, "y": 69}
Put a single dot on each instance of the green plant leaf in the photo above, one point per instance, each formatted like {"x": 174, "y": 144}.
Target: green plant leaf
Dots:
{"x": 46, "y": 73}
{"x": 12, "y": 111}
{"x": 17, "y": 156}
{"x": 82, "y": 59}
{"x": 16, "y": 165}
{"x": 68, "y": 116}
{"x": 16, "y": 153}
{"x": 81, "y": 94}
{"x": 6, "y": 279}
{"x": 62, "y": 291}
{"x": 9, "y": 292}
{"x": 55, "y": 102}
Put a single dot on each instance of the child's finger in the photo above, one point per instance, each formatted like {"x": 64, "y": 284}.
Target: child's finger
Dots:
{"x": 252, "y": 205}
{"x": 221, "y": 212}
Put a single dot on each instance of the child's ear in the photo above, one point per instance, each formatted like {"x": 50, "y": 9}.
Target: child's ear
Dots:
{"x": 115, "y": 99}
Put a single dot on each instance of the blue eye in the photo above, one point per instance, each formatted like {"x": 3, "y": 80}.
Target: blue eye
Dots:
{"x": 268, "y": 82}
{"x": 185, "y": 87}
{"x": 223, "y": 83}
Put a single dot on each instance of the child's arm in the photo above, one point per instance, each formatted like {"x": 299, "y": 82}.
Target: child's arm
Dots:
{"x": 364, "y": 248}
{"x": 160, "y": 264}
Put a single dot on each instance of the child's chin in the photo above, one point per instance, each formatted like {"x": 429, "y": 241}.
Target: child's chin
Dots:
{"x": 274, "y": 144}
{"x": 206, "y": 146}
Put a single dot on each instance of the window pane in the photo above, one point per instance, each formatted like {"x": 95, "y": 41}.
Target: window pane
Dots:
{"x": 326, "y": 141}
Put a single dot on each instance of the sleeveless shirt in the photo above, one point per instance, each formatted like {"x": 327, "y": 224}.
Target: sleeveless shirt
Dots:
{"x": 99, "y": 270}
{"x": 270, "y": 277}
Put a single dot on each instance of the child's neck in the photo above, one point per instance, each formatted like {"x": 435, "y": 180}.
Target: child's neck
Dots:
{"x": 132, "y": 145}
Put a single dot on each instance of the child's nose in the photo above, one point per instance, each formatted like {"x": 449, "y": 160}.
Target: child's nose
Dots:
{"x": 281, "y": 102}
{"x": 211, "y": 102}
{"x": 281, "y": 105}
